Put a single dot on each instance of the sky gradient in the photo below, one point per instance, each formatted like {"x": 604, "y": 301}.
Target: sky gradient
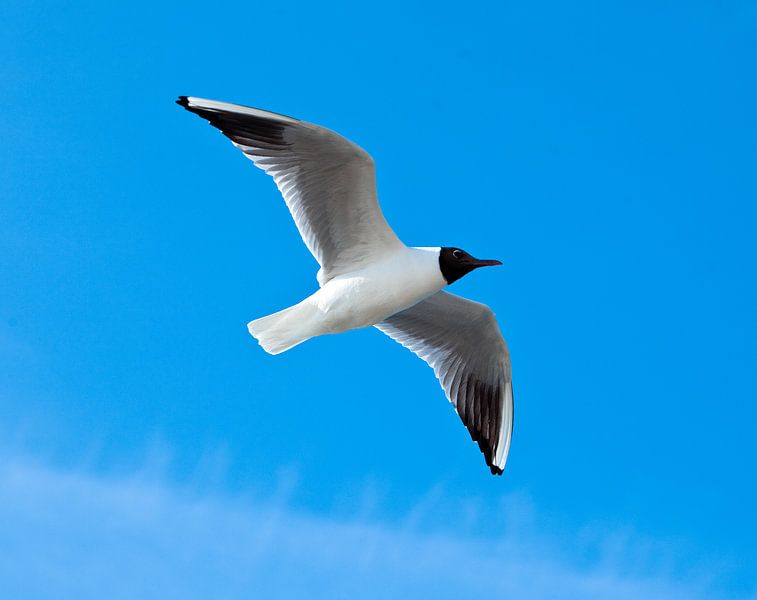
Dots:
{"x": 605, "y": 154}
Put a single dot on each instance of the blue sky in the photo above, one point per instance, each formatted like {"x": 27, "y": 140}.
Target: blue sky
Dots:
{"x": 604, "y": 153}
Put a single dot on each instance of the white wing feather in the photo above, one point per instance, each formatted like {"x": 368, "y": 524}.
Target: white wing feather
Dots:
{"x": 461, "y": 341}
{"x": 328, "y": 183}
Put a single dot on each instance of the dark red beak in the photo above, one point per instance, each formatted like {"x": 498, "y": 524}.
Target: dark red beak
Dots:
{"x": 485, "y": 263}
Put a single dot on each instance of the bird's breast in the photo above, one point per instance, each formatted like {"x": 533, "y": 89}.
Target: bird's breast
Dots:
{"x": 375, "y": 292}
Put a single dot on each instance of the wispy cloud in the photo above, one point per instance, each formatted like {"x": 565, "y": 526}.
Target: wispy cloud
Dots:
{"x": 74, "y": 534}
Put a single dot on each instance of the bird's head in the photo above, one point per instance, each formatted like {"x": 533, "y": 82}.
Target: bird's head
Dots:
{"x": 454, "y": 263}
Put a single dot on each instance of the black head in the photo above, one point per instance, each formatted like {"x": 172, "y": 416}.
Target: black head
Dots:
{"x": 454, "y": 263}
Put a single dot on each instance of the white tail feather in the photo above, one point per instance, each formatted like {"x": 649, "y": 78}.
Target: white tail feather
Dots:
{"x": 283, "y": 330}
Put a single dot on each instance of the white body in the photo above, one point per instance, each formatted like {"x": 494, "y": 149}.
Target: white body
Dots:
{"x": 361, "y": 298}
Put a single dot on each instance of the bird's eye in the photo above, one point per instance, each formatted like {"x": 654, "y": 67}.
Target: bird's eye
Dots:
{"x": 457, "y": 253}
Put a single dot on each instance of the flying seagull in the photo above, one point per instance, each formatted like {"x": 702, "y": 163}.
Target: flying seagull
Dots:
{"x": 368, "y": 277}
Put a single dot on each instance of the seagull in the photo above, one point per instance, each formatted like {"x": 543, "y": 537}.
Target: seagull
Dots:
{"x": 368, "y": 277}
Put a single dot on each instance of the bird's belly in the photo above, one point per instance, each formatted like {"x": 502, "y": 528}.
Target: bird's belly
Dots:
{"x": 362, "y": 300}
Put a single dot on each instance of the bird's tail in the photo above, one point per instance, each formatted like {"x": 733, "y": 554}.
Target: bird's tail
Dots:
{"x": 285, "y": 329}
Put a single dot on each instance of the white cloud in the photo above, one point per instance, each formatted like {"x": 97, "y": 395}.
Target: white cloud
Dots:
{"x": 74, "y": 534}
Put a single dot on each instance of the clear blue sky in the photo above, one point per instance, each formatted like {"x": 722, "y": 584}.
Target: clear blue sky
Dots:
{"x": 605, "y": 153}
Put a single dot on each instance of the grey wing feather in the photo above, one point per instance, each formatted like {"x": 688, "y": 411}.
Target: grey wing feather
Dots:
{"x": 328, "y": 182}
{"x": 461, "y": 341}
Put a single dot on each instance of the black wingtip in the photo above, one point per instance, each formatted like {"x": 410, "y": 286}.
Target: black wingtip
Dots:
{"x": 495, "y": 470}
{"x": 183, "y": 101}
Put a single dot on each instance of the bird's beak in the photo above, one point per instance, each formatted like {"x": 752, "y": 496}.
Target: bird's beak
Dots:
{"x": 485, "y": 263}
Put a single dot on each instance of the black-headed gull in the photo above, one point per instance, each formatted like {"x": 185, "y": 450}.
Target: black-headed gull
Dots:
{"x": 368, "y": 277}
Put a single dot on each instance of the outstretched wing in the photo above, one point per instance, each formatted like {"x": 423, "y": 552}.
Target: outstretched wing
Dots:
{"x": 461, "y": 341}
{"x": 328, "y": 182}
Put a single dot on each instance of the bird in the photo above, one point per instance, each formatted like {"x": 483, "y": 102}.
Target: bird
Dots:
{"x": 367, "y": 276}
